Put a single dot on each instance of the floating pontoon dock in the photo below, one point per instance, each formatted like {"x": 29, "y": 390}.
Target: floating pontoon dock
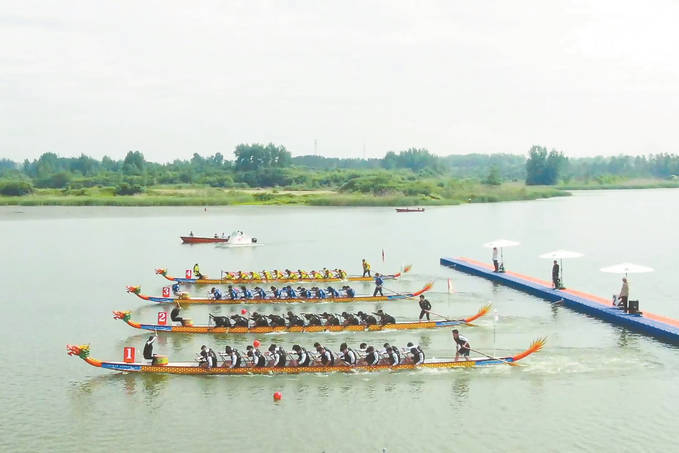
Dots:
{"x": 666, "y": 329}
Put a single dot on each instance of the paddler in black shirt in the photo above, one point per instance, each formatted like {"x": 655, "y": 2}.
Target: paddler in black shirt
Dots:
{"x": 258, "y": 360}
{"x": 294, "y": 320}
{"x": 326, "y": 355}
{"x": 303, "y": 358}
{"x": 349, "y": 319}
{"x": 348, "y": 355}
{"x": 385, "y": 318}
{"x": 148, "y": 348}
{"x": 417, "y": 353}
{"x": 372, "y": 357}
{"x": 174, "y": 314}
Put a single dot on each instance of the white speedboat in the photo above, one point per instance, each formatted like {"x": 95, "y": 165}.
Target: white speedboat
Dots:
{"x": 239, "y": 239}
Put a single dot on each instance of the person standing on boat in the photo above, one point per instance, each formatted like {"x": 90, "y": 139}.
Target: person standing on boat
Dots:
{"x": 366, "y": 267}
{"x": 196, "y": 271}
{"x": 462, "y": 346}
{"x": 425, "y": 306}
{"x": 624, "y": 294}
{"x": 174, "y": 314}
{"x": 555, "y": 275}
{"x": 496, "y": 263}
{"x": 378, "y": 285}
{"x": 148, "y": 348}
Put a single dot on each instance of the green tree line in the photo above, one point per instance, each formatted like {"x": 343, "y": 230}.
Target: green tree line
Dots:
{"x": 255, "y": 165}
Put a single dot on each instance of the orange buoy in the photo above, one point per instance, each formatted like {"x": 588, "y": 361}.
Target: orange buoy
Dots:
{"x": 256, "y": 343}
{"x": 277, "y": 396}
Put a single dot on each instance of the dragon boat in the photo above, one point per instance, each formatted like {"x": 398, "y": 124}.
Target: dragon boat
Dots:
{"x": 136, "y": 290}
{"x": 229, "y": 278}
{"x": 83, "y": 351}
{"x": 126, "y": 317}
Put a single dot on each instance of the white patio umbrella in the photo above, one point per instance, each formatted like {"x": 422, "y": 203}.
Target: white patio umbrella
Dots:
{"x": 626, "y": 268}
{"x": 560, "y": 255}
{"x": 501, "y": 244}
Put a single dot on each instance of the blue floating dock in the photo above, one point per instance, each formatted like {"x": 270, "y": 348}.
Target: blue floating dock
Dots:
{"x": 663, "y": 328}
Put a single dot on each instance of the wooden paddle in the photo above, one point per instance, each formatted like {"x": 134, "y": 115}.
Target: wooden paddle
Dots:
{"x": 433, "y": 313}
{"x": 494, "y": 358}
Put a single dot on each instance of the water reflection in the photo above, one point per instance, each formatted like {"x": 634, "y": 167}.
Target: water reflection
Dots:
{"x": 460, "y": 387}
{"x": 555, "y": 310}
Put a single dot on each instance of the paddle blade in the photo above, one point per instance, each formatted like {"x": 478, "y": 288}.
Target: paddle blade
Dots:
{"x": 482, "y": 312}
{"x": 161, "y": 271}
{"x": 426, "y": 288}
{"x": 407, "y": 268}
{"x": 534, "y": 347}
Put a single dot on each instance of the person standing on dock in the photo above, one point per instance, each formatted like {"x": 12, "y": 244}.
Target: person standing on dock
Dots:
{"x": 462, "y": 346}
{"x": 496, "y": 263}
{"x": 366, "y": 267}
{"x": 624, "y": 294}
{"x": 555, "y": 275}
{"x": 378, "y": 284}
{"x": 425, "y": 306}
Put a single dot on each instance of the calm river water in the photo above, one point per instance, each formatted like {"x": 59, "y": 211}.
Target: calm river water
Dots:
{"x": 595, "y": 386}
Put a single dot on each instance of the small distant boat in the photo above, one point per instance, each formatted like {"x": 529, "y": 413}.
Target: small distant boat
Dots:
{"x": 237, "y": 238}
{"x": 409, "y": 209}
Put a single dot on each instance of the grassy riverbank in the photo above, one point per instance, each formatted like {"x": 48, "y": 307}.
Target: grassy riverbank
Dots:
{"x": 194, "y": 195}
{"x": 622, "y": 184}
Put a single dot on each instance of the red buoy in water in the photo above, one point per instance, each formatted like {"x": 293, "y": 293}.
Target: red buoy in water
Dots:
{"x": 256, "y": 343}
{"x": 243, "y": 311}
{"x": 277, "y": 396}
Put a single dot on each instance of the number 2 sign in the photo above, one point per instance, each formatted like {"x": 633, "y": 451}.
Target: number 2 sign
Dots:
{"x": 162, "y": 318}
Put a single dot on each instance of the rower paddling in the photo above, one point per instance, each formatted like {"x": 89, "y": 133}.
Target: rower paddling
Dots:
{"x": 303, "y": 357}
{"x": 417, "y": 354}
{"x": 258, "y": 359}
{"x": 327, "y": 358}
{"x": 349, "y": 357}
{"x": 234, "y": 356}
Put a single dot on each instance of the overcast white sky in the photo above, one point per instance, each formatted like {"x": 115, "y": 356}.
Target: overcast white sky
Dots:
{"x": 172, "y": 78}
